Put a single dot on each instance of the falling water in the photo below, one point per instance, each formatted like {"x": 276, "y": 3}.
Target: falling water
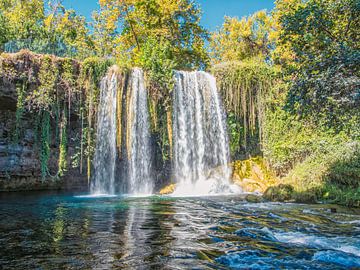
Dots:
{"x": 138, "y": 137}
{"x": 105, "y": 152}
{"x": 137, "y": 178}
{"x": 201, "y": 151}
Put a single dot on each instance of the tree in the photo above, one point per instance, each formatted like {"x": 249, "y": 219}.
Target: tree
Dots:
{"x": 20, "y": 19}
{"x": 324, "y": 41}
{"x": 133, "y": 22}
{"x": 248, "y": 37}
{"x": 66, "y": 27}
{"x": 43, "y": 28}
{"x": 106, "y": 28}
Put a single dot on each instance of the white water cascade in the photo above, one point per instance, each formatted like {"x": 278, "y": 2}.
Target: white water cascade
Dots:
{"x": 137, "y": 179}
{"x": 138, "y": 130}
{"x": 201, "y": 151}
{"x": 105, "y": 152}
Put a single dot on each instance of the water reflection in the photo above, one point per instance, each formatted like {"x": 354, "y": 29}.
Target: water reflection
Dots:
{"x": 55, "y": 231}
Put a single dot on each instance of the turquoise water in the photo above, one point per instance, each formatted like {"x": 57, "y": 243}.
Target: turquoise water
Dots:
{"x": 65, "y": 231}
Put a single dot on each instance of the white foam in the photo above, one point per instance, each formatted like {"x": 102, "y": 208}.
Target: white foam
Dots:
{"x": 96, "y": 196}
{"x": 349, "y": 245}
{"x": 205, "y": 187}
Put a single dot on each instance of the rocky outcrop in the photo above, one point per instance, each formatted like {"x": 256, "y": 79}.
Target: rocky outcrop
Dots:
{"x": 252, "y": 175}
{"x": 20, "y": 167}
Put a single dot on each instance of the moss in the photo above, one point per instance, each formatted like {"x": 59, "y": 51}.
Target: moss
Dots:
{"x": 45, "y": 143}
{"x": 20, "y": 110}
{"x": 63, "y": 146}
{"x": 253, "y": 174}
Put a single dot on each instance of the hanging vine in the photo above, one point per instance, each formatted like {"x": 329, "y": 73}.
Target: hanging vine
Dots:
{"x": 62, "y": 167}
{"x": 20, "y": 109}
{"x": 45, "y": 143}
{"x": 243, "y": 86}
{"x": 92, "y": 71}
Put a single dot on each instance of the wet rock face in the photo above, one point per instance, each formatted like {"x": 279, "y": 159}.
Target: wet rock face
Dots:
{"x": 19, "y": 162}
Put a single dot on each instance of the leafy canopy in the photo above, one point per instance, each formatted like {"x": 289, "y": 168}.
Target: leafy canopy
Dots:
{"x": 173, "y": 24}
{"x": 323, "y": 36}
{"x": 240, "y": 39}
{"x": 43, "y": 28}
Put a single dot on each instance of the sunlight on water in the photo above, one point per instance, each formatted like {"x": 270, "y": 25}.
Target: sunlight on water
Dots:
{"x": 97, "y": 196}
{"x": 156, "y": 232}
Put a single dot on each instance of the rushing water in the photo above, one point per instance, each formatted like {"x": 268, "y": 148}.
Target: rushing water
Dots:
{"x": 140, "y": 180}
{"x": 137, "y": 178}
{"x": 62, "y": 231}
{"x": 105, "y": 152}
{"x": 201, "y": 151}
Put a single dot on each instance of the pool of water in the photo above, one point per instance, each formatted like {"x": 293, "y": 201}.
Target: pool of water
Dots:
{"x": 65, "y": 231}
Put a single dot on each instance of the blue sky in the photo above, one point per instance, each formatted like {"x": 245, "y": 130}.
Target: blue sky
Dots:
{"x": 213, "y": 10}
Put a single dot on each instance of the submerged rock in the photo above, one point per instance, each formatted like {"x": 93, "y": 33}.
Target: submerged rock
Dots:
{"x": 304, "y": 197}
{"x": 279, "y": 193}
{"x": 253, "y": 198}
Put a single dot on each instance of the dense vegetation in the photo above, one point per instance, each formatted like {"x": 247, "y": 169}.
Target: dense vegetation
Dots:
{"x": 307, "y": 117}
{"x": 289, "y": 79}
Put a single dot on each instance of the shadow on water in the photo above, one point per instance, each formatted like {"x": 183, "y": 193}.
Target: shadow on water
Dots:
{"x": 63, "y": 231}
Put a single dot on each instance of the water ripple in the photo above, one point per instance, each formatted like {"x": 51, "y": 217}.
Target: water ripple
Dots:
{"x": 61, "y": 231}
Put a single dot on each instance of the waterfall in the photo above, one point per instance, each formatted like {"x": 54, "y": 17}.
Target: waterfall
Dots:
{"x": 201, "y": 151}
{"x": 105, "y": 152}
{"x": 137, "y": 178}
{"x": 138, "y": 137}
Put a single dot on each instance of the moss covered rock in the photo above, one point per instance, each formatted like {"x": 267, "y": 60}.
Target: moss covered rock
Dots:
{"x": 168, "y": 189}
{"x": 252, "y": 175}
{"x": 252, "y": 198}
{"x": 279, "y": 193}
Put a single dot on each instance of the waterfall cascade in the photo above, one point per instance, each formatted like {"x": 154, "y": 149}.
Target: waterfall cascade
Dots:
{"x": 200, "y": 143}
{"x": 201, "y": 151}
{"x": 105, "y": 152}
{"x": 138, "y": 157}
{"x": 138, "y": 137}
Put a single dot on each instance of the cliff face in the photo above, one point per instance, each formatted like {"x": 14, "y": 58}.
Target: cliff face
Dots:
{"x": 20, "y": 165}
{"x": 43, "y": 97}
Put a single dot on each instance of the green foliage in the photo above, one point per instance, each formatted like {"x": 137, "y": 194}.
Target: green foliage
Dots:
{"x": 331, "y": 174}
{"x": 348, "y": 196}
{"x": 45, "y": 143}
{"x": 234, "y": 130}
{"x": 242, "y": 39}
{"x": 65, "y": 27}
{"x": 43, "y": 28}
{"x": 157, "y": 59}
{"x": 20, "y": 109}
{"x": 63, "y": 146}
{"x": 20, "y": 19}
{"x": 44, "y": 97}
{"x": 323, "y": 37}
{"x": 279, "y": 193}
{"x": 94, "y": 69}
{"x": 243, "y": 86}
{"x": 172, "y": 23}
